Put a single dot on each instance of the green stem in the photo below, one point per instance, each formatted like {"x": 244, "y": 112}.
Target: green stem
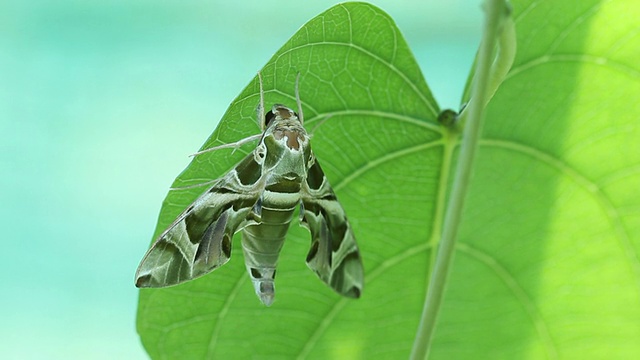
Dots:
{"x": 483, "y": 88}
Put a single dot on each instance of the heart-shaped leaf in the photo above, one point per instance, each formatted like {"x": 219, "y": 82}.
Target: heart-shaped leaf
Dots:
{"x": 547, "y": 262}
{"x": 374, "y": 132}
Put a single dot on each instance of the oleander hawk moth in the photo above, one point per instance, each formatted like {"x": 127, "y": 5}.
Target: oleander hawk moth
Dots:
{"x": 258, "y": 197}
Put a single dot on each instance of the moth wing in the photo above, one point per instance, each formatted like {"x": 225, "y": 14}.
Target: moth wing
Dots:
{"x": 199, "y": 240}
{"x": 334, "y": 254}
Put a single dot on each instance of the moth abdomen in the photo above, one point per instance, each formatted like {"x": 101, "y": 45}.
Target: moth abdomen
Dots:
{"x": 261, "y": 245}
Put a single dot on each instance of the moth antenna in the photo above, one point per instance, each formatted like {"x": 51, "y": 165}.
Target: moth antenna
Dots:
{"x": 234, "y": 145}
{"x": 297, "y": 91}
{"x": 261, "y": 119}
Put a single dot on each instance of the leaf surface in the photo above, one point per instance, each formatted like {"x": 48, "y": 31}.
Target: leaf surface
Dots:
{"x": 547, "y": 262}
{"x": 375, "y": 135}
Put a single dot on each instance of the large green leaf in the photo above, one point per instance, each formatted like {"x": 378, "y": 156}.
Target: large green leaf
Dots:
{"x": 547, "y": 263}
{"x": 382, "y": 152}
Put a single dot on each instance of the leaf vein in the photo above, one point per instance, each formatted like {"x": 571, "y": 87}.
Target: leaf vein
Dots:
{"x": 590, "y": 186}
{"x": 223, "y": 313}
{"x": 527, "y": 303}
{"x": 380, "y": 160}
{"x": 377, "y": 58}
{"x": 584, "y": 58}
{"x": 340, "y": 304}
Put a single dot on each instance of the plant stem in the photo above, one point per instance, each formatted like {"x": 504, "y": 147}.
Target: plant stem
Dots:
{"x": 483, "y": 88}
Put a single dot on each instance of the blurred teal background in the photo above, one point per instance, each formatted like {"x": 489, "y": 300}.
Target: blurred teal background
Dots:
{"x": 100, "y": 104}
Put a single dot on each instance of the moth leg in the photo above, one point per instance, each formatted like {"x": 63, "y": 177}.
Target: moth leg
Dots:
{"x": 260, "y": 109}
{"x": 297, "y": 91}
{"x": 313, "y": 130}
{"x": 234, "y": 145}
{"x": 193, "y": 186}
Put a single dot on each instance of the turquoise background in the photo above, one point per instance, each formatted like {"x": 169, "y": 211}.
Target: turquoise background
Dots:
{"x": 100, "y": 104}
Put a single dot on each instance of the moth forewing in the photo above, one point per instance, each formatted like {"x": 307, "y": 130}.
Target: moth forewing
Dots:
{"x": 199, "y": 240}
{"x": 259, "y": 197}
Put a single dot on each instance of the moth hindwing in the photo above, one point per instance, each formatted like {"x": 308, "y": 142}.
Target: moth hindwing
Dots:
{"x": 258, "y": 197}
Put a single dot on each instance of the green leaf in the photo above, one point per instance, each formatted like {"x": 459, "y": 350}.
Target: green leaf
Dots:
{"x": 381, "y": 148}
{"x": 547, "y": 262}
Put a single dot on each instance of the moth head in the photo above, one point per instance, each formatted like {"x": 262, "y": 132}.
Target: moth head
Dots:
{"x": 278, "y": 113}
{"x": 284, "y": 126}
{"x": 285, "y": 143}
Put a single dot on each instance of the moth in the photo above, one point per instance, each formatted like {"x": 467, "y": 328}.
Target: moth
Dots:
{"x": 259, "y": 197}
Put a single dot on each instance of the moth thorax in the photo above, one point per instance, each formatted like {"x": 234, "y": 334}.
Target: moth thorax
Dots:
{"x": 294, "y": 137}
{"x": 290, "y": 167}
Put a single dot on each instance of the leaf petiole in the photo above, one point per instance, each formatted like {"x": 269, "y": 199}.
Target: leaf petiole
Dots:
{"x": 485, "y": 83}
